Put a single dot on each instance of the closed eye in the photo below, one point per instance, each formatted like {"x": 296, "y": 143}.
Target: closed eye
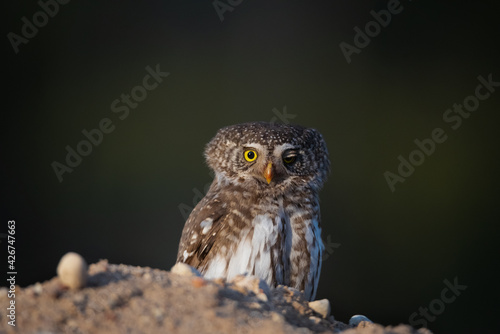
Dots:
{"x": 289, "y": 159}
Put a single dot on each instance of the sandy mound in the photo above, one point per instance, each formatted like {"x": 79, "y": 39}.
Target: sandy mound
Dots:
{"x": 126, "y": 299}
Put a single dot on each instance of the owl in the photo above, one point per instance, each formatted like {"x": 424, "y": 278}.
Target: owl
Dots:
{"x": 261, "y": 214}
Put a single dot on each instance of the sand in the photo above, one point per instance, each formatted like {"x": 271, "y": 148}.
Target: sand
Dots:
{"x": 128, "y": 299}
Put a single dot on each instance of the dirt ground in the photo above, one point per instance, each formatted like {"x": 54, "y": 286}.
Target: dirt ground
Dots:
{"x": 127, "y": 299}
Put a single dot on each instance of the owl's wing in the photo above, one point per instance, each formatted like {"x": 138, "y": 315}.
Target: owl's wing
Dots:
{"x": 201, "y": 231}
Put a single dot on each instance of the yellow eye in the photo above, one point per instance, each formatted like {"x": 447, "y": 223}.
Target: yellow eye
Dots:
{"x": 290, "y": 159}
{"x": 250, "y": 155}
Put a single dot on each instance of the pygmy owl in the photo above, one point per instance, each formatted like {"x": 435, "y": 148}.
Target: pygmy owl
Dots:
{"x": 261, "y": 214}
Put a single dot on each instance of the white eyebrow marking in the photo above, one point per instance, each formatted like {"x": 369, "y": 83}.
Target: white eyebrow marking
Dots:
{"x": 280, "y": 148}
{"x": 257, "y": 146}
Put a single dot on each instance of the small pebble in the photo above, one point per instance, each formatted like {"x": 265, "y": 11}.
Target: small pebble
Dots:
{"x": 298, "y": 306}
{"x": 219, "y": 281}
{"x": 72, "y": 271}
{"x": 321, "y": 306}
{"x": 198, "y": 282}
{"x": 356, "y": 319}
{"x": 147, "y": 277}
{"x": 315, "y": 320}
{"x": 37, "y": 288}
{"x": 185, "y": 270}
{"x": 276, "y": 317}
{"x": 158, "y": 314}
{"x": 258, "y": 286}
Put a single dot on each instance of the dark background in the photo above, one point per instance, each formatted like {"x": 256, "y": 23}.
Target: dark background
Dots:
{"x": 122, "y": 202}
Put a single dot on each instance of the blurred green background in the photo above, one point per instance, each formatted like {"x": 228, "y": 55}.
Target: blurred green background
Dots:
{"x": 390, "y": 251}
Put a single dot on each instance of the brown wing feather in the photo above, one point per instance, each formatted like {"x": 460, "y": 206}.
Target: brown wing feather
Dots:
{"x": 193, "y": 242}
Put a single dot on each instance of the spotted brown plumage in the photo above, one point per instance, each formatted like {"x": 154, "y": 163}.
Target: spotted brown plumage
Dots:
{"x": 261, "y": 214}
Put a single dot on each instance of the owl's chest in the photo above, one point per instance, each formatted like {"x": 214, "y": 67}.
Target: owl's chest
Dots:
{"x": 259, "y": 247}
{"x": 263, "y": 247}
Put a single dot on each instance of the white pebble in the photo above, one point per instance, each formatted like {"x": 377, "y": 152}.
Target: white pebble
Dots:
{"x": 252, "y": 283}
{"x": 276, "y": 317}
{"x": 356, "y": 319}
{"x": 315, "y": 320}
{"x": 37, "y": 288}
{"x": 321, "y": 306}
{"x": 72, "y": 271}
{"x": 185, "y": 270}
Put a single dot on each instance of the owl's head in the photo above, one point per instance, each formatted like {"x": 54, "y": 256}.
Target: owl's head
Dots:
{"x": 269, "y": 155}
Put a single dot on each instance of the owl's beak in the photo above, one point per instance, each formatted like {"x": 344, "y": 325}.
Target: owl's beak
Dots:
{"x": 268, "y": 172}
